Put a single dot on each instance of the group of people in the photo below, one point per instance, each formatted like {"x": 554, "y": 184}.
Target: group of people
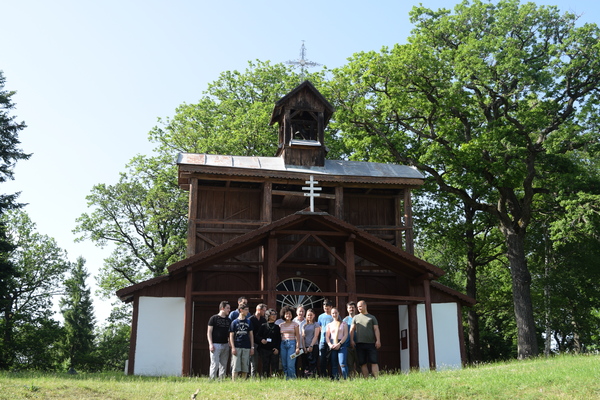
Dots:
{"x": 327, "y": 346}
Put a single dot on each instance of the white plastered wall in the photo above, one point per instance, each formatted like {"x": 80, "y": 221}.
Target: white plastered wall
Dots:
{"x": 445, "y": 333}
{"x": 159, "y": 345}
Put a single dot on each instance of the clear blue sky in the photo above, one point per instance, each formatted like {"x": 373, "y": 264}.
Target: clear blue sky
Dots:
{"x": 93, "y": 77}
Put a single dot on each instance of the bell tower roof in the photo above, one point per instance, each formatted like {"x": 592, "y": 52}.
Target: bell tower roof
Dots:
{"x": 302, "y": 116}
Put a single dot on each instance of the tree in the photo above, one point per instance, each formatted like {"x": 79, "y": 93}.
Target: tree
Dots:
{"x": 461, "y": 241}
{"x": 40, "y": 266}
{"x": 78, "y": 313}
{"x": 483, "y": 101}
{"x": 232, "y": 116}
{"x": 144, "y": 216}
{"x": 9, "y": 154}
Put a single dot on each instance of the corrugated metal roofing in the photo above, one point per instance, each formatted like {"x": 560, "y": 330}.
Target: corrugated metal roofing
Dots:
{"x": 331, "y": 167}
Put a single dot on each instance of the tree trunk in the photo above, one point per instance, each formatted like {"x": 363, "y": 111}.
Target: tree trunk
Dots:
{"x": 527, "y": 345}
{"x": 473, "y": 316}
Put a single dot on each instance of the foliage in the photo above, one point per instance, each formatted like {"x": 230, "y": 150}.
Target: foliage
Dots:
{"x": 233, "y": 115}
{"x": 566, "y": 377}
{"x": 9, "y": 155}
{"x": 481, "y": 100}
{"x": 10, "y": 152}
{"x": 112, "y": 349}
{"x": 144, "y": 216}
{"x": 26, "y": 318}
{"x": 78, "y": 313}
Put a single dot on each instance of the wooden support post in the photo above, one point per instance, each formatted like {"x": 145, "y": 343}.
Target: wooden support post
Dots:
{"x": 192, "y": 216}
{"x": 408, "y": 222}
{"x": 339, "y": 202}
{"x": 133, "y": 337}
{"x": 266, "y": 214}
{"x": 350, "y": 269}
{"x": 187, "y": 325}
{"x": 461, "y": 335}
{"x": 271, "y": 271}
{"x": 429, "y": 323}
{"x": 413, "y": 336}
{"x": 398, "y": 213}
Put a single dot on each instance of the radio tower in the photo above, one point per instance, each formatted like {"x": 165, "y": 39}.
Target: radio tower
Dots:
{"x": 302, "y": 62}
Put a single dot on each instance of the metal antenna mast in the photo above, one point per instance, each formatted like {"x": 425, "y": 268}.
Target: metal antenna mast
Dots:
{"x": 302, "y": 62}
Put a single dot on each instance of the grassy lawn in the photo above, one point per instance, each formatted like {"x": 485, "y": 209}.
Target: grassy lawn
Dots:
{"x": 563, "y": 377}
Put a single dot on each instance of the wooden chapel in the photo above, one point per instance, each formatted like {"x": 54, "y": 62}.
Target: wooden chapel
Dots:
{"x": 255, "y": 230}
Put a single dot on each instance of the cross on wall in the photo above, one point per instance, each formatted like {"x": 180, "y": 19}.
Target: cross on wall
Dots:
{"x": 311, "y": 188}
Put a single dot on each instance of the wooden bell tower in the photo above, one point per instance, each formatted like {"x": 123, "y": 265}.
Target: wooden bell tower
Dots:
{"x": 302, "y": 116}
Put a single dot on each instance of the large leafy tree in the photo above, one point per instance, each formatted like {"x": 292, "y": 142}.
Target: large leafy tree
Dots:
{"x": 483, "y": 100}
{"x": 27, "y": 313}
{"x": 143, "y": 216}
{"x": 78, "y": 313}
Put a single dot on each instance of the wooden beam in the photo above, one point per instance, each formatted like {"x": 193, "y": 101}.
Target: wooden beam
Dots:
{"x": 188, "y": 324}
{"x": 271, "y": 271}
{"x": 429, "y": 324}
{"x": 133, "y": 338}
{"x": 192, "y": 216}
{"x": 350, "y": 269}
{"x": 408, "y": 222}
{"x": 413, "y": 337}
{"x": 267, "y": 208}
{"x": 289, "y": 253}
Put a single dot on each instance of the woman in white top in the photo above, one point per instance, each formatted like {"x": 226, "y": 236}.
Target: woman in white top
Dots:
{"x": 336, "y": 335}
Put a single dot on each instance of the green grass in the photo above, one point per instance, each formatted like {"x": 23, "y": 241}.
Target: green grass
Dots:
{"x": 563, "y": 377}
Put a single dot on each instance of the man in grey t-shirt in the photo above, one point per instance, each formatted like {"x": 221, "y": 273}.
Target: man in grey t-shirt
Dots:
{"x": 367, "y": 341}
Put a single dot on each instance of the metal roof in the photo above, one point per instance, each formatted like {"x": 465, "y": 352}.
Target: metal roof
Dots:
{"x": 331, "y": 167}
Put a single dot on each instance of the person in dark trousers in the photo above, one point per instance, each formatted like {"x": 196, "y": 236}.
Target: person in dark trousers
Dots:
{"x": 269, "y": 339}
{"x": 257, "y": 320}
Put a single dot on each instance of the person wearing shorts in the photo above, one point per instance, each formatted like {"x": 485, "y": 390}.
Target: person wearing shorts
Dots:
{"x": 241, "y": 339}
{"x": 364, "y": 337}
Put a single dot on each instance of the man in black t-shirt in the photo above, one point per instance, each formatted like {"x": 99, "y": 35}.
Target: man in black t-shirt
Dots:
{"x": 218, "y": 340}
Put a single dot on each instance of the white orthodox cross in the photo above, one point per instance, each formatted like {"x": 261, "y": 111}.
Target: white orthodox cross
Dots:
{"x": 303, "y": 62}
{"x": 312, "y": 193}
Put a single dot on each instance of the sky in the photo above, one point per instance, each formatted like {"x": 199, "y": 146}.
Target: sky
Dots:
{"x": 93, "y": 77}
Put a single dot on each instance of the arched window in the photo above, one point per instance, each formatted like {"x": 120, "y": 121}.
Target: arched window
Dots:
{"x": 295, "y": 300}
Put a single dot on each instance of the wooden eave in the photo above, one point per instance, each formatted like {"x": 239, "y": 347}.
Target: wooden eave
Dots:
{"x": 306, "y": 85}
{"x": 464, "y": 299}
{"x": 187, "y": 172}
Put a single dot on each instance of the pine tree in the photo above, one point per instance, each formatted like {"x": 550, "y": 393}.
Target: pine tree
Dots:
{"x": 78, "y": 312}
{"x": 9, "y": 154}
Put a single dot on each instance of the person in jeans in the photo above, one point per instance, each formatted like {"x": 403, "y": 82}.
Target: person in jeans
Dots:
{"x": 336, "y": 336}
{"x": 290, "y": 342}
{"x": 218, "y": 341}
{"x": 352, "y": 360}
